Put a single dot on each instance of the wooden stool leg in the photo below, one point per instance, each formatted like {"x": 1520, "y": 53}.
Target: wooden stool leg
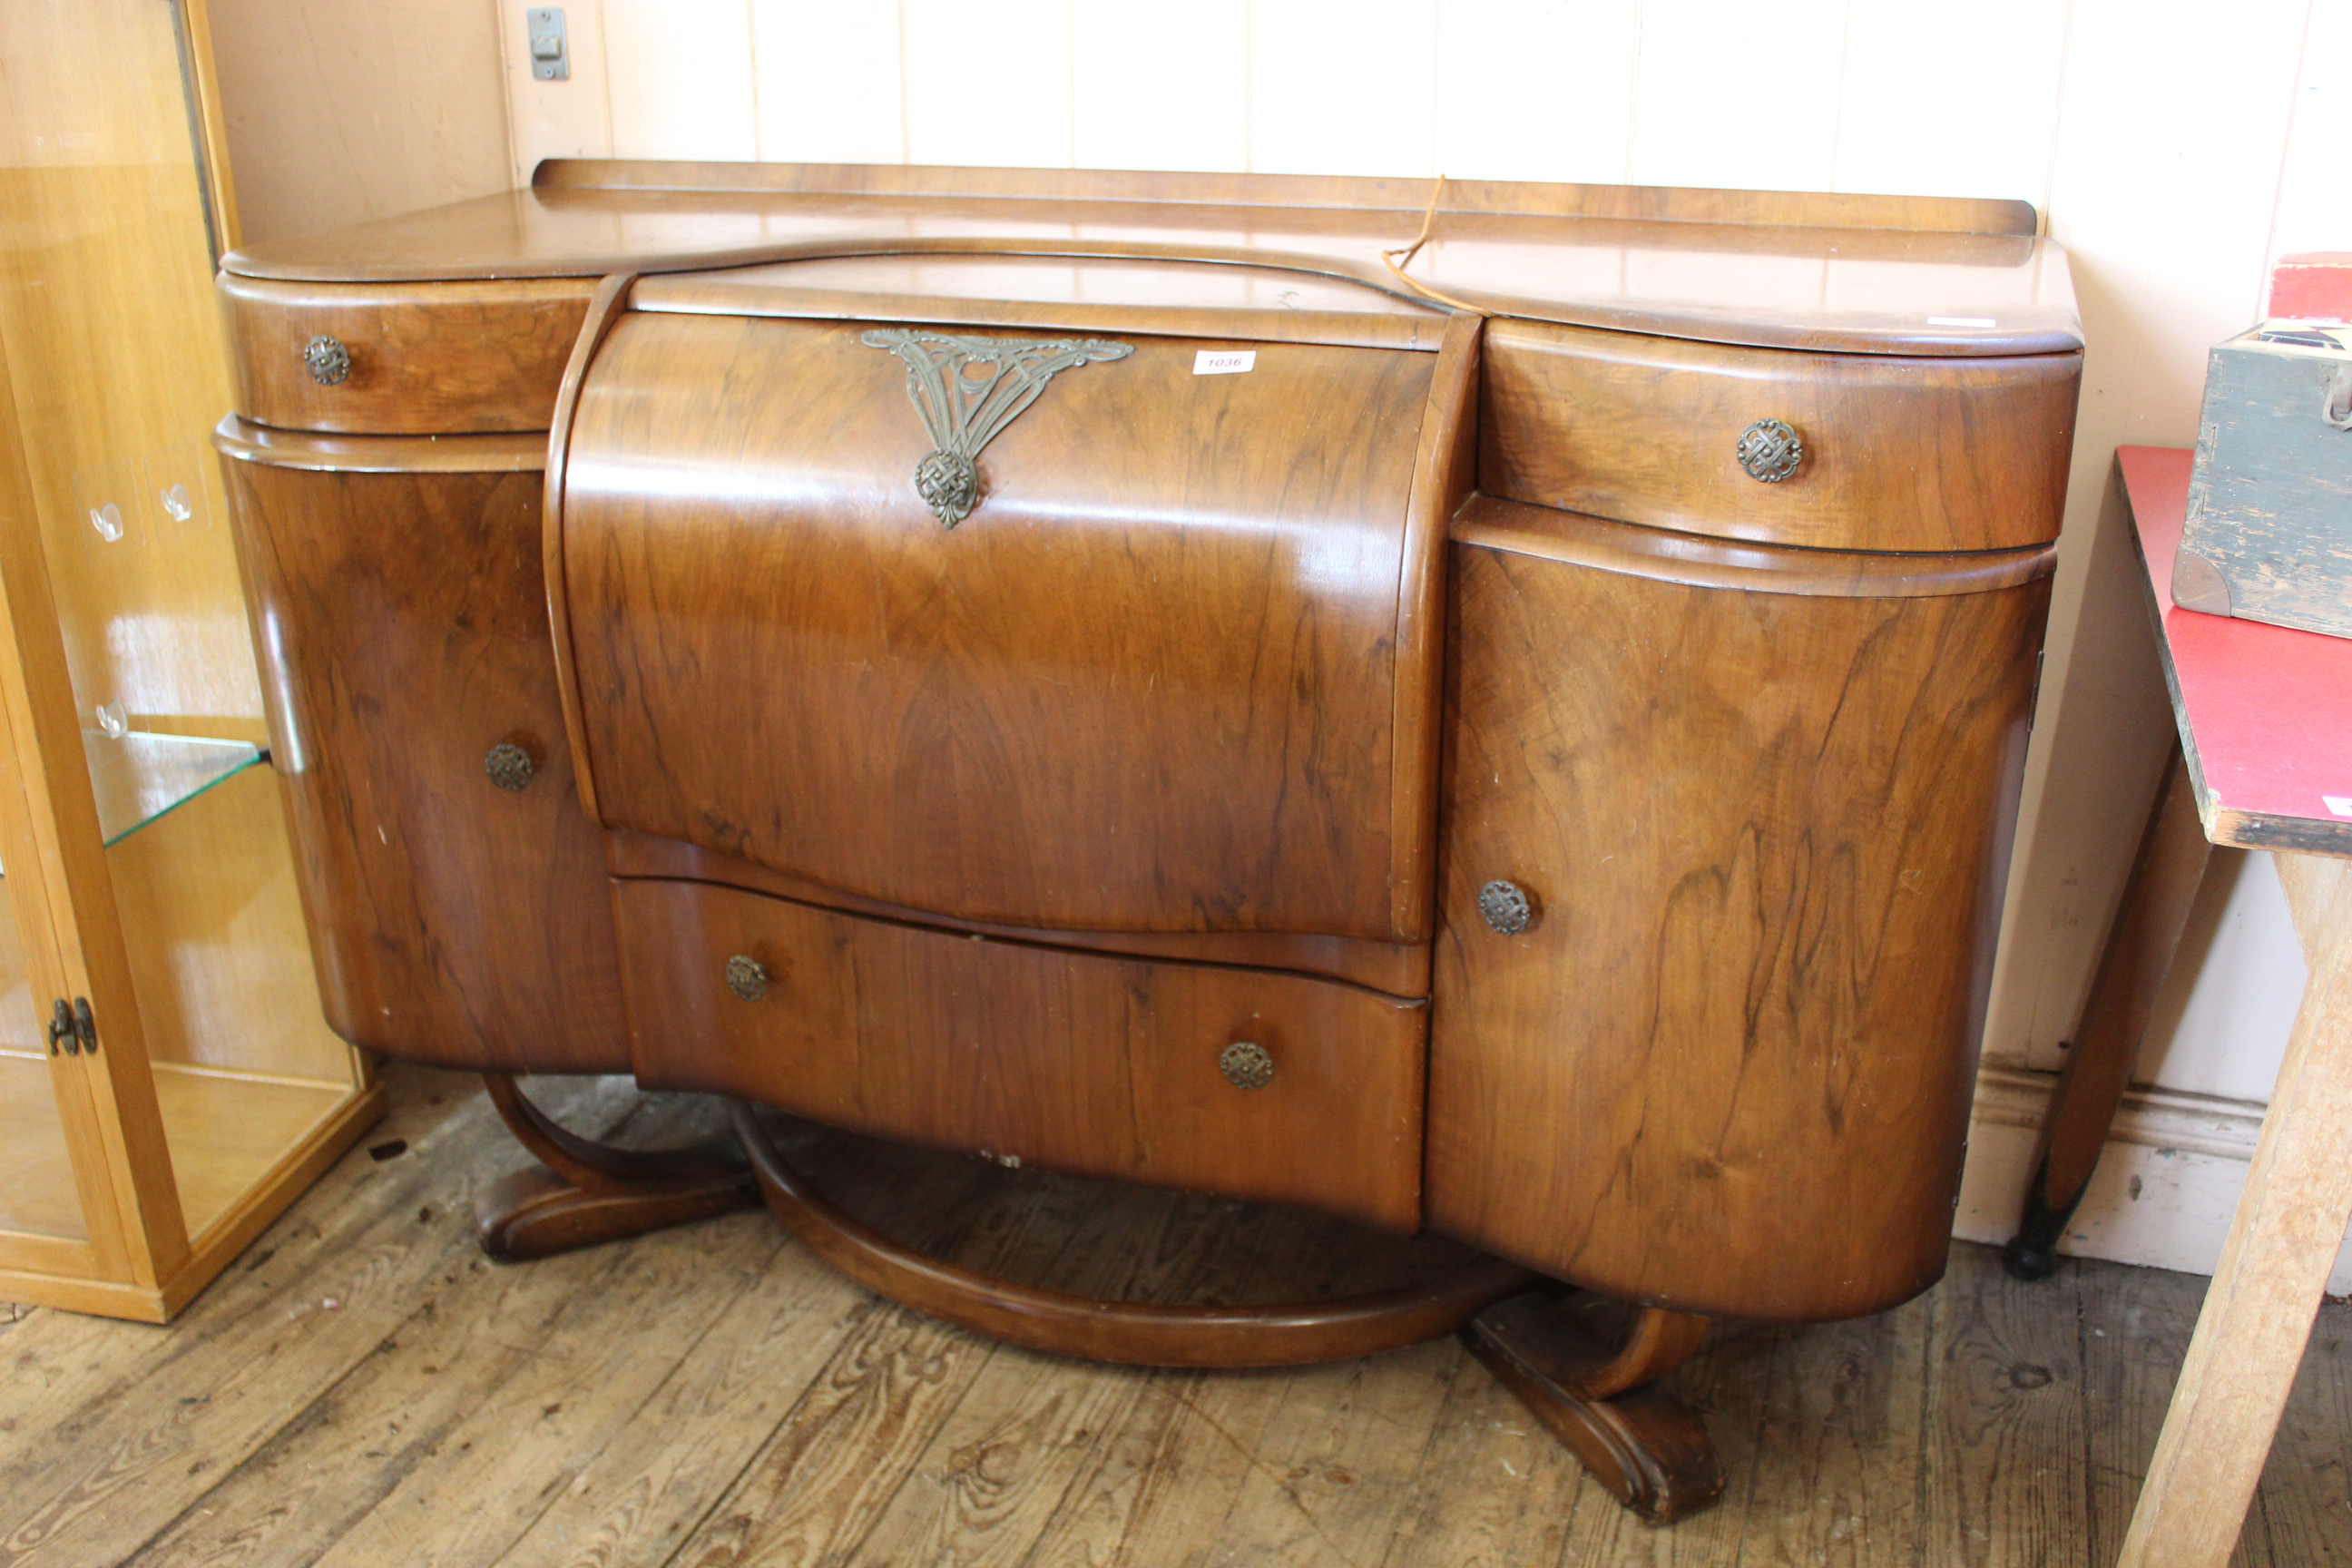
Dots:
{"x": 2283, "y": 1244}
{"x": 1607, "y": 1406}
{"x": 587, "y": 1191}
{"x": 2164, "y": 877}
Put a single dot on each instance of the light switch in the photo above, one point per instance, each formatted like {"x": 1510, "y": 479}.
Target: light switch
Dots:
{"x": 550, "y": 47}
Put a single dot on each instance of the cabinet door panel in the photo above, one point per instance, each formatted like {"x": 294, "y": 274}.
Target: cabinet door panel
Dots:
{"x": 401, "y": 625}
{"x": 1728, "y": 1067}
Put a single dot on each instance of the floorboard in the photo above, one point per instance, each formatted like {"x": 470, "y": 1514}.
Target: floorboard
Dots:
{"x": 363, "y": 1388}
{"x": 2003, "y": 1397}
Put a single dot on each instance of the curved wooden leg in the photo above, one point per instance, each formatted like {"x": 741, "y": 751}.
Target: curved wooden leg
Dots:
{"x": 587, "y": 1191}
{"x": 2164, "y": 877}
{"x": 1607, "y": 1406}
{"x": 1132, "y": 1334}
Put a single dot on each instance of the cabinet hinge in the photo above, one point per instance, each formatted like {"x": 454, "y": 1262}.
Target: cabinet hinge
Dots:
{"x": 72, "y": 1028}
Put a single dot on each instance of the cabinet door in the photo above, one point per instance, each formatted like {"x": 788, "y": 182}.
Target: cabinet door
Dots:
{"x": 146, "y": 858}
{"x": 1762, "y": 822}
{"x": 456, "y": 892}
{"x": 54, "y": 1169}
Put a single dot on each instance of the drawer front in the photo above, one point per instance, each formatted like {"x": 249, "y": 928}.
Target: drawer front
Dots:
{"x": 1897, "y": 454}
{"x": 403, "y": 636}
{"x": 1725, "y": 1067}
{"x": 1084, "y": 1062}
{"x": 416, "y": 359}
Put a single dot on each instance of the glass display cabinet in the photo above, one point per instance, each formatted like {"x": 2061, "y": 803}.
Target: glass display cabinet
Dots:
{"x": 167, "y": 1082}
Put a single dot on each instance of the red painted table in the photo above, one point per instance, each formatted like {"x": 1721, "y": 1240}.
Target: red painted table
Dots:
{"x": 2265, "y": 713}
{"x": 2265, "y": 718}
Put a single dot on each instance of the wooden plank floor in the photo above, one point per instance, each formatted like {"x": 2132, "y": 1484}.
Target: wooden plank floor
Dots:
{"x": 363, "y": 1389}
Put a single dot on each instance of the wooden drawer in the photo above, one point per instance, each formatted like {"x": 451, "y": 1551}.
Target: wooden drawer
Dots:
{"x": 424, "y": 358}
{"x": 1899, "y": 454}
{"x": 1080, "y": 1062}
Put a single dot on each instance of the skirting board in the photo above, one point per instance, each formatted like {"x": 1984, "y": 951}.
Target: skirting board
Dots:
{"x": 2166, "y": 1186}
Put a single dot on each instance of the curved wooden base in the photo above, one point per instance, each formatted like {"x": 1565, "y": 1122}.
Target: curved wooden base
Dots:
{"x": 1129, "y": 1333}
{"x": 594, "y": 1167}
{"x": 1607, "y": 1406}
{"x": 534, "y": 1213}
{"x": 588, "y": 1192}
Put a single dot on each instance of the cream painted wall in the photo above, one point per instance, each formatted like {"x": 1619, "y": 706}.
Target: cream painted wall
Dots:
{"x": 340, "y": 111}
{"x": 2175, "y": 146}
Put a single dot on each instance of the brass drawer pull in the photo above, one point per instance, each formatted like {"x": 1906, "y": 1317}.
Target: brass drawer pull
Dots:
{"x": 747, "y": 977}
{"x": 509, "y": 765}
{"x": 1506, "y": 906}
{"x": 1247, "y": 1064}
{"x": 328, "y": 361}
{"x": 1770, "y": 451}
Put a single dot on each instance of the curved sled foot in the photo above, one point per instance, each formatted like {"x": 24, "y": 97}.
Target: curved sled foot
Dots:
{"x": 1132, "y": 1334}
{"x": 534, "y": 1213}
{"x": 587, "y": 1193}
{"x": 1606, "y": 1405}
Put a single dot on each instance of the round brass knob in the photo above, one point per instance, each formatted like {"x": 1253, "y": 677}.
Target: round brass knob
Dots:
{"x": 509, "y": 765}
{"x": 1506, "y": 906}
{"x": 1247, "y": 1064}
{"x": 326, "y": 360}
{"x": 747, "y": 977}
{"x": 1770, "y": 451}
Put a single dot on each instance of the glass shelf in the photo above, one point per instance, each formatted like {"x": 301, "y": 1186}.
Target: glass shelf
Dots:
{"x": 140, "y": 776}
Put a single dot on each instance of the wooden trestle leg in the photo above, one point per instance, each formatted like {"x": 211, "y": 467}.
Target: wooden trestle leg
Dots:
{"x": 587, "y": 1191}
{"x": 1605, "y": 1404}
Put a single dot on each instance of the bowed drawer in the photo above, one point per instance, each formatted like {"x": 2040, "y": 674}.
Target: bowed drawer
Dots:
{"x": 397, "y": 359}
{"x": 1874, "y": 451}
{"x": 1247, "y": 1082}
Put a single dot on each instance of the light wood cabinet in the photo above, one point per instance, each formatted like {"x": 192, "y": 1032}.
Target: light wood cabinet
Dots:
{"x": 146, "y": 864}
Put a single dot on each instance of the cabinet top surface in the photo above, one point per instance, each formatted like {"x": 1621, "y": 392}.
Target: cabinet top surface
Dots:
{"x": 1852, "y": 274}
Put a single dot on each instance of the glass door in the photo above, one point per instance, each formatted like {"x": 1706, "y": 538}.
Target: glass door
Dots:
{"x": 143, "y": 844}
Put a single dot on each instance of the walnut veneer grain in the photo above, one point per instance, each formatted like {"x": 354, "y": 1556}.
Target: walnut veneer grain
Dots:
{"x": 1728, "y": 1069}
{"x": 401, "y": 621}
{"x": 431, "y": 359}
{"x": 1647, "y": 429}
{"x": 1871, "y": 274}
{"x": 1076, "y": 1061}
{"x": 1400, "y": 969}
{"x": 1180, "y": 298}
{"x": 1018, "y": 824}
{"x": 1147, "y": 685}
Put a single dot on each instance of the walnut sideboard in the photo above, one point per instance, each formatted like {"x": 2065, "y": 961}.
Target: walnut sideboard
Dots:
{"x": 1516, "y": 736}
